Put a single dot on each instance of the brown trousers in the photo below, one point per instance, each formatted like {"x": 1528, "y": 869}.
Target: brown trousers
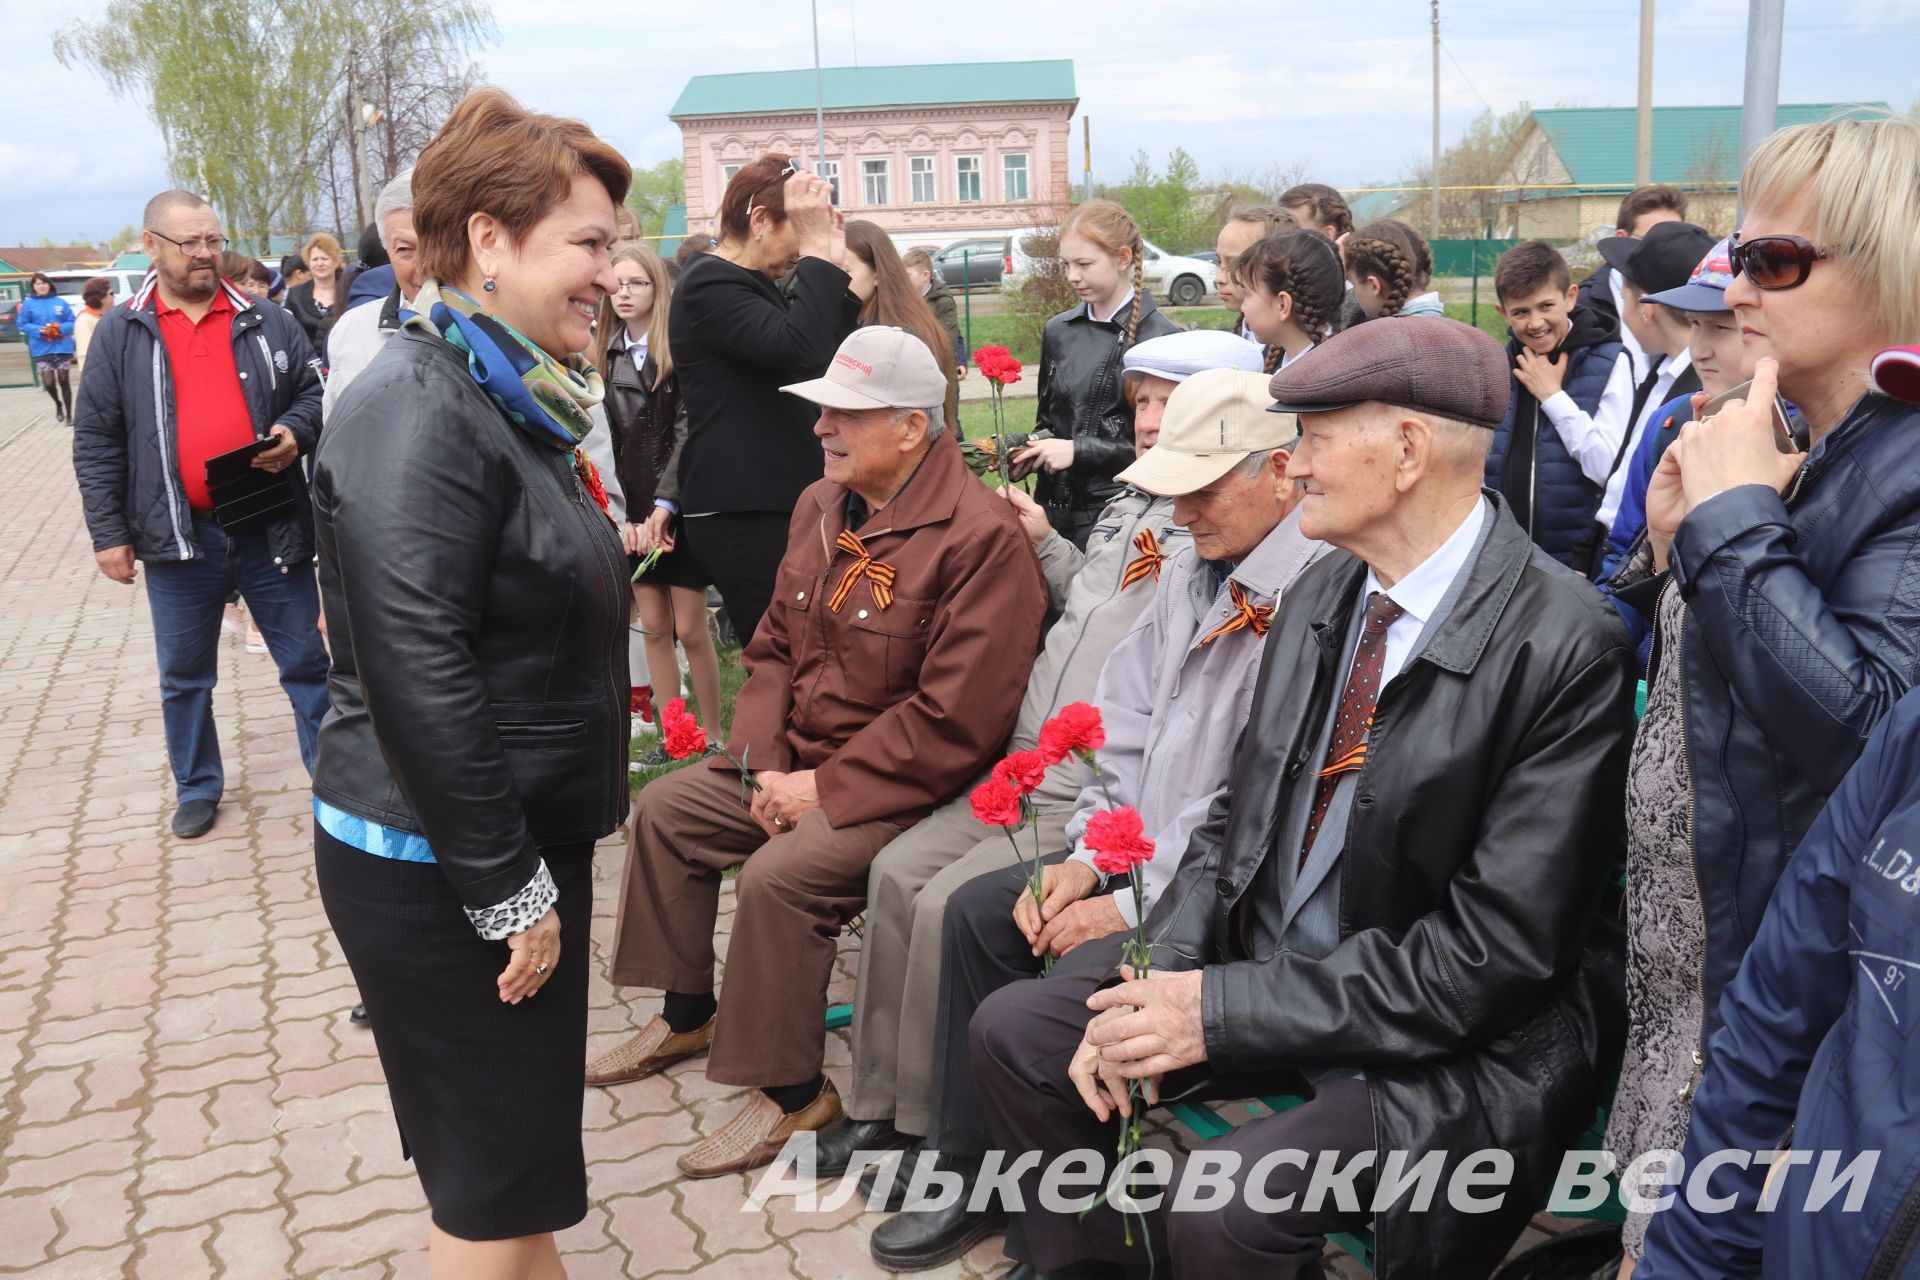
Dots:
{"x": 795, "y": 893}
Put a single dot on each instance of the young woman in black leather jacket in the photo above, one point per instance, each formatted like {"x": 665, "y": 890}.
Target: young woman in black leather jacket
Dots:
{"x": 1083, "y": 399}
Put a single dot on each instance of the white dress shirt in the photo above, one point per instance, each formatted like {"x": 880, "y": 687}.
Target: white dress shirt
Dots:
{"x": 1594, "y": 438}
{"x": 1419, "y": 593}
{"x": 1662, "y": 392}
{"x": 1642, "y": 362}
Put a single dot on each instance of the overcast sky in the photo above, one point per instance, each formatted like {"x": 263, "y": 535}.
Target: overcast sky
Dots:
{"x": 1343, "y": 85}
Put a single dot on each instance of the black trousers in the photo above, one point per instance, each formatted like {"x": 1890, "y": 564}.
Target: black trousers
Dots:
{"x": 981, "y": 951}
{"x": 1023, "y": 1038}
{"x": 739, "y": 553}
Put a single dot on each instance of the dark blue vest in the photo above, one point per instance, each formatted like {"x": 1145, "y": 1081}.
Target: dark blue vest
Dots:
{"x": 1564, "y": 501}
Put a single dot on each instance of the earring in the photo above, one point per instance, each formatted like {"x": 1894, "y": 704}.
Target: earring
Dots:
{"x": 489, "y": 285}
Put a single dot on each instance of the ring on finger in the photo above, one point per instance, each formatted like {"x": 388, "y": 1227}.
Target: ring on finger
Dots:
{"x": 540, "y": 968}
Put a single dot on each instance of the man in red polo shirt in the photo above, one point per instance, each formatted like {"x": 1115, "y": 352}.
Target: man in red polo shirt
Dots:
{"x": 192, "y": 368}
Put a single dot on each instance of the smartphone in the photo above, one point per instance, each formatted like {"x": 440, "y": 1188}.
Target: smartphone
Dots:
{"x": 1782, "y": 428}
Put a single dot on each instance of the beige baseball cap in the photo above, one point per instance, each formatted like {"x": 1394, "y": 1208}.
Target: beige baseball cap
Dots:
{"x": 1213, "y": 421}
{"x": 878, "y": 367}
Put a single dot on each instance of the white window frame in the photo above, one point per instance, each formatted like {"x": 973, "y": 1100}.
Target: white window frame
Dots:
{"x": 830, "y": 170}
{"x": 927, "y": 167}
{"x": 960, "y": 176}
{"x": 1007, "y": 172}
{"x": 728, "y": 170}
{"x": 868, "y": 173}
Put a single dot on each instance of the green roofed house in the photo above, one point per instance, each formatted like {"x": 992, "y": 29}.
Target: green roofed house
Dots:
{"x": 930, "y": 153}
{"x": 1571, "y": 165}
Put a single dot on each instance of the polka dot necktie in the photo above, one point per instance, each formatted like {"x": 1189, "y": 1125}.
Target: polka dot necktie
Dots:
{"x": 1347, "y": 748}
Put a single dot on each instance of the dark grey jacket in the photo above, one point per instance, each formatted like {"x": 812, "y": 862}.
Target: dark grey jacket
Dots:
{"x": 124, "y": 444}
{"x": 477, "y": 606}
{"x": 1476, "y": 980}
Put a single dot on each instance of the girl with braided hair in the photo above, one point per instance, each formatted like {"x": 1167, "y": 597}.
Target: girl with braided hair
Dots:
{"x": 1292, "y": 291}
{"x": 1390, "y": 266}
{"x": 1082, "y": 396}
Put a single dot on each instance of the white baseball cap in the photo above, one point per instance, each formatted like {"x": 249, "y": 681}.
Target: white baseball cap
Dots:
{"x": 878, "y": 367}
{"x": 1215, "y": 419}
{"x": 1178, "y": 356}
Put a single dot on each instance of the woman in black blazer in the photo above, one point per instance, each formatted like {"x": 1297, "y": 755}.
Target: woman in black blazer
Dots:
{"x": 737, "y": 339}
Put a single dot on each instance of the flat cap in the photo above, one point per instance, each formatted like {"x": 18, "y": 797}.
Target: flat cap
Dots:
{"x": 1430, "y": 363}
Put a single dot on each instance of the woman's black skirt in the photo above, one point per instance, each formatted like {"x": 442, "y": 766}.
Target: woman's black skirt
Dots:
{"x": 487, "y": 1095}
{"x": 674, "y": 569}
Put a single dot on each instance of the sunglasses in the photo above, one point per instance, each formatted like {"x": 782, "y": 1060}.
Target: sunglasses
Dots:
{"x": 1776, "y": 262}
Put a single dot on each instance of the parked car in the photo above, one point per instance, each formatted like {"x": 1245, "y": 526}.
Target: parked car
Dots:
{"x": 1182, "y": 281}
{"x": 68, "y": 283}
{"x": 1208, "y": 256}
{"x": 1178, "y": 280}
{"x": 981, "y": 262}
{"x": 7, "y": 332}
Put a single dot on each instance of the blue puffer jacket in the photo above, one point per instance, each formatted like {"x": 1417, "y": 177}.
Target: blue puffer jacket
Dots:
{"x": 1552, "y": 498}
{"x": 1815, "y": 1050}
{"x": 1802, "y": 632}
{"x": 35, "y": 314}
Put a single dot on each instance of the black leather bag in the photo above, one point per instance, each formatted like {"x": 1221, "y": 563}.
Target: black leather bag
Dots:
{"x": 243, "y": 494}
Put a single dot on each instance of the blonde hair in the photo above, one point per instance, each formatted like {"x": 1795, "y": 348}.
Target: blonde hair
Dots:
{"x": 606, "y": 323}
{"x": 321, "y": 240}
{"x": 1863, "y": 179}
{"x": 1112, "y": 230}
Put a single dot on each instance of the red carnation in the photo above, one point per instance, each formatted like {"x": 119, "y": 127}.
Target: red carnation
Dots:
{"x": 1026, "y": 770}
{"x": 997, "y": 364}
{"x": 1118, "y": 840}
{"x": 996, "y": 802}
{"x": 1076, "y": 729}
{"x": 683, "y": 735}
{"x": 590, "y": 477}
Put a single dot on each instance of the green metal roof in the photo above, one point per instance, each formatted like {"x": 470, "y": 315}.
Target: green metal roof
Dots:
{"x": 1690, "y": 144}
{"x": 860, "y": 88}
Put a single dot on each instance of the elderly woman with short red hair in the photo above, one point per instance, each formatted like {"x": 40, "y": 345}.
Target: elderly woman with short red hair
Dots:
{"x": 476, "y": 596}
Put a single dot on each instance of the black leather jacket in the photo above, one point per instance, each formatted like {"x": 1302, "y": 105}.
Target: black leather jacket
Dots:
{"x": 1477, "y": 982}
{"x": 1802, "y": 631}
{"x": 1082, "y": 397}
{"x": 477, "y": 605}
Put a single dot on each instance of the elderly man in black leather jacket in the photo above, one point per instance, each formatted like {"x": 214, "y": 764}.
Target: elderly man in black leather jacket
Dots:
{"x": 1397, "y": 909}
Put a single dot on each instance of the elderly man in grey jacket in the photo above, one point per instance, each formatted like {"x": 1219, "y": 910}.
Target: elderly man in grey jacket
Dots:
{"x": 1173, "y": 696}
{"x": 1098, "y": 594}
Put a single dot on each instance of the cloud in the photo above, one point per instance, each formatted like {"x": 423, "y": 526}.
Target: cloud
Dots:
{"x": 1346, "y": 87}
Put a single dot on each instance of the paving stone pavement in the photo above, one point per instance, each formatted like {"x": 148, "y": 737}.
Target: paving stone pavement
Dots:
{"x": 181, "y": 1093}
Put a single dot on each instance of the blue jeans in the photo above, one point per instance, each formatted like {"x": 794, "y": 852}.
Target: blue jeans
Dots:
{"x": 187, "y": 598}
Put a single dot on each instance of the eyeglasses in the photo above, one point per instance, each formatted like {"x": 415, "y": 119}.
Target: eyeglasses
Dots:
{"x": 208, "y": 247}
{"x": 633, "y": 286}
{"x": 782, "y": 176}
{"x": 1776, "y": 262}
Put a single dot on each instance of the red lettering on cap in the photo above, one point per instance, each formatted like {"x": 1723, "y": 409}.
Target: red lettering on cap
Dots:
{"x": 842, "y": 358}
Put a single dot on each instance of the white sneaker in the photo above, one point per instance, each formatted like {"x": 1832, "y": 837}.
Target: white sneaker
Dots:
{"x": 256, "y": 643}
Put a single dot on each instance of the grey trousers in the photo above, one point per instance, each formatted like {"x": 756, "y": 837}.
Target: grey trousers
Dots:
{"x": 899, "y": 984}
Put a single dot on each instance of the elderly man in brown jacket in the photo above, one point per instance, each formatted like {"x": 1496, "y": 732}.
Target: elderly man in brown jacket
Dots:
{"x": 888, "y": 671}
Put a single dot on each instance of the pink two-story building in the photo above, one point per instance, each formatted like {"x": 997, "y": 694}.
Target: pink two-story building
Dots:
{"x": 932, "y": 153}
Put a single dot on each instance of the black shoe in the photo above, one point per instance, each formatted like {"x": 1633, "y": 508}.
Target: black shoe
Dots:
{"x": 923, "y": 1240}
{"x": 193, "y": 819}
{"x": 837, "y": 1144}
{"x": 359, "y": 1015}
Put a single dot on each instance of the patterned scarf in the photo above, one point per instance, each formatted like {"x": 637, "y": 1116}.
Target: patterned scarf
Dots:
{"x": 542, "y": 396}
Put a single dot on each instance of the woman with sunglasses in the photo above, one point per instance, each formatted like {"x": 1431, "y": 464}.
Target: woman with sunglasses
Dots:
{"x": 738, "y": 335}
{"x": 1783, "y": 581}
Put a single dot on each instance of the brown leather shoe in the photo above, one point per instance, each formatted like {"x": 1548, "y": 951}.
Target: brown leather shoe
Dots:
{"x": 755, "y": 1136}
{"x": 654, "y": 1050}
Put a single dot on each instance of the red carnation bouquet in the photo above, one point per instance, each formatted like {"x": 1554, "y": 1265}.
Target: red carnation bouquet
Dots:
{"x": 682, "y": 737}
{"x": 1003, "y": 801}
{"x": 997, "y": 366}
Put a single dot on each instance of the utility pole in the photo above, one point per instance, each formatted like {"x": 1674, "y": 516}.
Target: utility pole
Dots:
{"x": 1761, "y": 100}
{"x": 819, "y": 95}
{"x": 1433, "y": 175}
{"x": 1643, "y": 122}
{"x": 1086, "y": 156}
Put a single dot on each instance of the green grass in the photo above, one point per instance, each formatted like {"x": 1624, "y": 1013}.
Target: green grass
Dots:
{"x": 1490, "y": 319}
